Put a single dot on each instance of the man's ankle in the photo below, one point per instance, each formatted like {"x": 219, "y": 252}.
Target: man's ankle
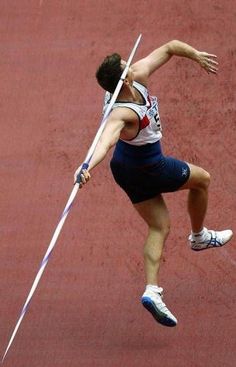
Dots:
{"x": 201, "y": 235}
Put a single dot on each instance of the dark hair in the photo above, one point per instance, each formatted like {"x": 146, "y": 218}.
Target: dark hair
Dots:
{"x": 109, "y": 72}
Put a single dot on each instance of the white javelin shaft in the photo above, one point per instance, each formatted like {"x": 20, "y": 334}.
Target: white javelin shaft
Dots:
{"x": 43, "y": 265}
{"x": 71, "y": 199}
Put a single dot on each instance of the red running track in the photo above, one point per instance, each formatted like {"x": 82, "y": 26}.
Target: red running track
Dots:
{"x": 86, "y": 311}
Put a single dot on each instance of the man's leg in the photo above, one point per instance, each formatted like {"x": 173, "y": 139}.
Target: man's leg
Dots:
{"x": 155, "y": 214}
{"x": 197, "y": 184}
{"x": 201, "y": 238}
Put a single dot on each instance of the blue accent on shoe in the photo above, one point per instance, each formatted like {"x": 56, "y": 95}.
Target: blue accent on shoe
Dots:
{"x": 157, "y": 314}
{"x": 212, "y": 242}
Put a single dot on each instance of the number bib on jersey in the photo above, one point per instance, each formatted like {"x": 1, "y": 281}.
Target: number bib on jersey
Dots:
{"x": 153, "y": 115}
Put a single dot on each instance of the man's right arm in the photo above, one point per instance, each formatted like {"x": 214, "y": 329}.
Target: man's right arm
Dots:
{"x": 108, "y": 139}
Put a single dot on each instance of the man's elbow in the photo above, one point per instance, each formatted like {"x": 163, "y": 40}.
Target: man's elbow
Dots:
{"x": 171, "y": 47}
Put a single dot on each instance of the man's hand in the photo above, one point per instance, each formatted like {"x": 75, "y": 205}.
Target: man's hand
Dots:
{"x": 84, "y": 176}
{"x": 207, "y": 62}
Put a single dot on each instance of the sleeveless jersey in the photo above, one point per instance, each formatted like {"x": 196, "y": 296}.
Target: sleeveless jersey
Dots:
{"x": 148, "y": 113}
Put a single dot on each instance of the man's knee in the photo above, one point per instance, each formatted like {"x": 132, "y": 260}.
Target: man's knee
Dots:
{"x": 162, "y": 229}
{"x": 204, "y": 180}
{"x": 199, "y": 178}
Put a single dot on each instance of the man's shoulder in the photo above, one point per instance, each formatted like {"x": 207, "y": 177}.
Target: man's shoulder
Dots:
{"x": 140, "y": 72}
{"x": 140, "y": 86}
{"x": 124, "y": 113}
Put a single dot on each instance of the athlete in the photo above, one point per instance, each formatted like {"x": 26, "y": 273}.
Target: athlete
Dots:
{"x": 143, "y": 171}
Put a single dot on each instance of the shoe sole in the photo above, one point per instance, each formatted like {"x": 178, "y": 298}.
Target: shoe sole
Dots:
{"x": 205, "y": 248}
{"x": 158, "y": 315}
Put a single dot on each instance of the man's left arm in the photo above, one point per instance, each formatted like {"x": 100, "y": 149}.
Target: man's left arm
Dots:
{"x": 146, "y": 66}
{"x": 205, "y": 60}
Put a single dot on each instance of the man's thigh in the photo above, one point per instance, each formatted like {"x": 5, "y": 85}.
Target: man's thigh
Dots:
{"x": 199, "y": 178}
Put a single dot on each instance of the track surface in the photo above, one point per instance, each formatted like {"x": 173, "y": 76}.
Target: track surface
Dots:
{"x": 86, "y": 311}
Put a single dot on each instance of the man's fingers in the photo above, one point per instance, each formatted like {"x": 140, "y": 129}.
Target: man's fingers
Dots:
{"x": 210, "y": 70}
{"x": 213, "y": 62}
{"x": 211, "y": 56}
{"x": 209, "y": 62}
{"x": 84, "y": 177}
{"x": 212, "y": 67}
{"x": 205, "y": 54}
{"x": 214, "y": 71}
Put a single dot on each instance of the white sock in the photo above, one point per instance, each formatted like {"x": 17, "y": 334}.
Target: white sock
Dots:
{"x": 153, "y": 288}
{"x": 202, "y": 235}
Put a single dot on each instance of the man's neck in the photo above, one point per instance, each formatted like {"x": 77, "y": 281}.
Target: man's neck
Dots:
{"x": 127, "y": 93}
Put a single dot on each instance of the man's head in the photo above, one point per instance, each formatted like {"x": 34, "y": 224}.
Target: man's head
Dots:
{"x": 109, "y": 72}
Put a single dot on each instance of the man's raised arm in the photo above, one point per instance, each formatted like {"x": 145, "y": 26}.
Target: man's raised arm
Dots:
{"x": 146, "y": 66}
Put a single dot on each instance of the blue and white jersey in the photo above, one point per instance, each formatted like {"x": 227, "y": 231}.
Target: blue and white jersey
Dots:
{"x": 148, "y": 113}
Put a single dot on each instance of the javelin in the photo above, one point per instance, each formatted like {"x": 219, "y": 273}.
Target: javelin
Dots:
{"x": 72, "y": 196}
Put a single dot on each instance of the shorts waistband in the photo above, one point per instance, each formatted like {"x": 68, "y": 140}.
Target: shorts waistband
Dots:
{"x": 133, "y": 154}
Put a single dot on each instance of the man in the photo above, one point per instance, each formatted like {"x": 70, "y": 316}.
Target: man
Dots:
{"x": 140, "y": 168}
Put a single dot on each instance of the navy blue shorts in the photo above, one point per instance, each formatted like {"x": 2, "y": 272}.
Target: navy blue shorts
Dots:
{"x": 143, "y": 172}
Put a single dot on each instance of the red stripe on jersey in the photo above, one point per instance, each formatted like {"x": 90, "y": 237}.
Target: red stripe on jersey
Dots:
{"x": 144, "y": 122}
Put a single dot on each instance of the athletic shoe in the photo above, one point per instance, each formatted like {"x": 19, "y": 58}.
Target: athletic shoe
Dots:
{"x": 213, "y": 239}
{"x": 152, "y": 301}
